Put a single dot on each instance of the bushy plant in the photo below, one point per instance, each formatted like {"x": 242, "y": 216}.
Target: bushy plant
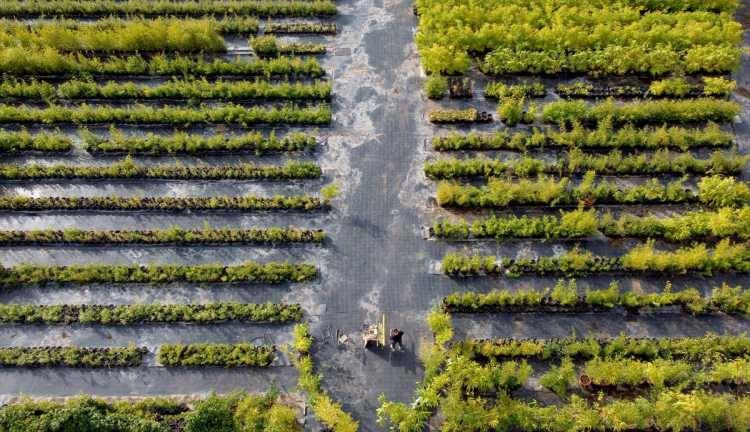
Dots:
{"x": 435, "y": 86}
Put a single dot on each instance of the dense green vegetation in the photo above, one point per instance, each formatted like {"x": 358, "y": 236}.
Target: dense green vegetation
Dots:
{"x": 128, "y": 169}
{"x": 270, "y": 46}
{"x": 566, "y": 297}
{"x": 603, "y": 137}
{"x": 181, "y": 142}
{"x": 300, "y": 28}
{"x": 24, "y": 62}
{"x": 211, "y": 354}
{"x": 245, "y": 203}
{"x": 173, "y": 115}
{"x": 325, "y": 409}
{"x": 23, "y": 141}
{"x": 686, "y": 111}
{"x": 702, "y": 349}
{"x": 176, "y": 89}
{"x": 575, "y": 161}
{"x": 130, "y": 36}
{"x": 44, "y": 356}
{"x": 148, "y": 313}
{"x": 726, "y": 256}
{"x": 714, "y": 191}
{"x": 236, "y": 412}
{"x": 249, "y": 272}
{"x": 226, "y": 24}
{"x": 676, "y": 87}
{"x": 88, "y": 8}
{"x": 692, "y": 225}
{"x": 173, "y": 235}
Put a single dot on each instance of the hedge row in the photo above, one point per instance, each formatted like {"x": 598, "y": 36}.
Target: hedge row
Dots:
{"x": 567, "y": 298}
{"x": 713, "y": 191}
{"x": 604, "y": 137}
{"x": 246, "y": 203}
{"x": 131, "y": 36}
{"x": 173, "y": 235}
{"x": 149, "y": 313}
{"x": 697, "y": 349}
{"x": 209, "y": 354}
{"x": 45, "y": 356}
{"x": 73, "y": 8}
{"x": 141, "y": 114}
{"x": 235, "y": 412}
{"x": 176, "y": 89}
{"x": 724, "y": 257}
{"x": 249, "y": 272}
{"x": 676, "y": 87}
{"x": 693, "y": 225}
{"x": 24, "y": 62}
{"x": 128, "y": 169}
{"x": 270, "y": 46}
{"x": 300, "y": 28}
{"x": 614, "y": 60}
{"x": 23, "y": 141}
{"x": 181, "y": 142}
{"x": 226, "y": 24}
{"x": 575, "y": 161}
{"x": 686, "y": 111}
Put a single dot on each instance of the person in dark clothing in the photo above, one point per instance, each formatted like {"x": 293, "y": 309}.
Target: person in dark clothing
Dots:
{"x": 396, "y": 336}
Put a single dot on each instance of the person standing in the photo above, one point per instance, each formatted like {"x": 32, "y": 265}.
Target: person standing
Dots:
{"x": 396, "y": 336}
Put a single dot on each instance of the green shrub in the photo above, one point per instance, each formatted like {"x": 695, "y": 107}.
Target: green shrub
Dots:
{"x": 560, "y": 378}
{"x": 435, "y": 86}
{"x": 213, "y": 414}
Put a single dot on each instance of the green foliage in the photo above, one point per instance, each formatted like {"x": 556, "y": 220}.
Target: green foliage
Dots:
{"x": 173, "y": 235}
{"x": 72, "y": 8}
{"x": 676, "y": 87}
{"x": 604, "y": 137}
{"x": 330, "y": 191}
{"x": 567, "y": 298}
{"x": 469, "y": 115}
{"x": 500, "y": 90}
{"x": 173, "y": 115}
{"x": 130, "y": 36}
{"x": 560, "y": 378}
{"x": 47, "y": 356}
{"x": 23, "y": 141}
{"x": 724, "y": 222}
{"x": 213, "y": 414}
{"x": 206, "y": 354}
{"x": 299, "y": 202}
{"x": 511, "y": 111}
{"x": 269, "y": 46}
{"x": 300, "y": 28}
{"x": 249, "y": 272}
{"x": 148, "y": 313}
{"x": 575, "y": 161}
{"x": 686, "y": 111}
{"x": 127, "y": 169}
{"x": 714, "y": 191}
{"x": 193, "y": 89}
{"x": 718, "y": 86}
{"x": 180, "y": 142}
{"x": 435, "y": 86}
{"x": 23, "y": 62}
{"x": 441, "y": 326}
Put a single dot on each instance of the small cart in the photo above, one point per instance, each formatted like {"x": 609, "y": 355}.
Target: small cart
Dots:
{"x": 375, "y": 334}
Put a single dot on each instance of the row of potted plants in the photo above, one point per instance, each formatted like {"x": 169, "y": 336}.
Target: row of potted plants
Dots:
{"x": 183, "y": 143}
{"x": 575, "y": 161}
{"x": 603, "y": 137}
{"x": 172, "y": 235}
{"x": 25, "y": 62}
{"x": 695, "y": 349}
{"x": 149, "y": 313}
{"x": 469, "y": 115}
{"x": 128, "y": 169}
{"x": 579, "y": 223}
{"x": 260, "y": 8}
{"x": 83, "y": 357}
{"x": 675, "y": 87}
{"x": 23, "y": 141}
{"x": 223, "y": 203}
{"x": 300, "y": 28}
{"x": 216, "y": 354}
{"x": 713, "y": 191}
{"x": 270, "y": 46}
{"x": 248, "y": 272}
{"x": 224, "y": 24}
{"x": 192, "y": 89}
{"x": 726, "y": 256}
{"x": 566, "y": 297}
{"x": 173, "y": 115}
